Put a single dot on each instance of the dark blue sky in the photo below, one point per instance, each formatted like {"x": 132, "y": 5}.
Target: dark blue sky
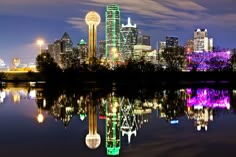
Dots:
{"x": 24, "y": 21}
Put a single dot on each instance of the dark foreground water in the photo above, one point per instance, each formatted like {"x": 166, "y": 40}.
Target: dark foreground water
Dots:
{"x": 161, "y": 122}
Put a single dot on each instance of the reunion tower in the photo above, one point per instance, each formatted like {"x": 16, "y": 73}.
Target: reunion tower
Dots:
{"x": 92, "y": 19}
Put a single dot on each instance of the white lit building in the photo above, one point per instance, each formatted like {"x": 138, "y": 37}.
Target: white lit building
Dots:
{"x": 201, "y": 41}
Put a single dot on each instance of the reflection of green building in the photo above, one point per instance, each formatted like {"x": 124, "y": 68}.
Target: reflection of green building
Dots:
{"x": 113, "y": 126}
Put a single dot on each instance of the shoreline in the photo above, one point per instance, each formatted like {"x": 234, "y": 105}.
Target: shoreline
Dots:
{"x": 132, "y": 79}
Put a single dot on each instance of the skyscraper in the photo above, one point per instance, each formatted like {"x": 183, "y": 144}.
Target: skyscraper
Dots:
{"x": 82, "y": 51}
{"x": 144, "y": 40}
{"x": 66, "y": 51}
{"x": 112, "y": 30}
{"x": 102, "y": 46}
{"x": 172, "y": 42}
{"x": 129, "y": 35}
{"x": 62, "y": 51}
{"x": 201, "y": 41}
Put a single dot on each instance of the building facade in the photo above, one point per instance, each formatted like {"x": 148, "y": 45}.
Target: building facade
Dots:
{"x": 143, "y": 40}
{"x": 172, "y": 42}
{"x": 101, "y": 49}
{"x": 129, "y": 36}
{"x": 112, "y": 30}
{"x": 82, "y": 51}
{"x": 201, "y": 41}
{"x": 62, "y": 51}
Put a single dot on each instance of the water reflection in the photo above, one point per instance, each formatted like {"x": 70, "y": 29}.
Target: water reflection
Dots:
{"x": 202, "y": 102}
{"x": 124, "y": 115}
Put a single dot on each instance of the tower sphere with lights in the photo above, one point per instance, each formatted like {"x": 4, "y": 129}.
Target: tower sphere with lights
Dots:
{"x": 92, "y": 19}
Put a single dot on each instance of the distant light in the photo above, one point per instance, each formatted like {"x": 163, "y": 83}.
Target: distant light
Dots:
{"x": 102, "y": 117}
{"x": 82, "y": 116}
{"x": 32, "y": 94}
{"x": 40, "y": 118}
{"x": 174, "y": 121}
{"x": 40, "y": 42}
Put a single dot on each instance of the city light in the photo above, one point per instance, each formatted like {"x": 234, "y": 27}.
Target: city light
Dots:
{"x": 40, "y": 42}
{"x": 40, "y": 117}
{"x": 92, "y": 19}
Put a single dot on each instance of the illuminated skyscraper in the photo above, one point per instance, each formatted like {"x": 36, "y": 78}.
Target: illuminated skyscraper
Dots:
{"x": 112, "y": 30}
{"x": 83, "y": 50}
{"x": 66, "y": 51}
{"x": 62, "y": 51}
{"x": 201, "y": 41}
{"x": 129, "y": 35}
{"x": 92, "y": 19}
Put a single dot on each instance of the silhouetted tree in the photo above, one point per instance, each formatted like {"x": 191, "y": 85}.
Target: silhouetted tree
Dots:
{"x": 46, "y": 65}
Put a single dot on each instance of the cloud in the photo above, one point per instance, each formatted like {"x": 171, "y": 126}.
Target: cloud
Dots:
{"x": 77, "y": 22}
{"x": 185, "y": 5}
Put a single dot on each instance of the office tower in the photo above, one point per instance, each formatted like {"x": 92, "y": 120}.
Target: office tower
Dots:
{"x": 143, "y": 40}
{"x": 62, "y": 51}
{"x": 189, "y": 46}
{"x": 171, "y": 42}
{"x": 92, "y": 19}
{"x": 82, "y": 51}
{"x": 66, "y": 43}
{"x": 201, "y": 41}
{"x": 55, "y": 51}
{"x": 210, "y": 44}
{"x": 102, "y": 48}
{"x": 67, "y": 51}
{"x": 129, "y": 35}
{"x": 161, "y": 49}
{"x": 162, "y": 46}
{"x": 112, "y": 30}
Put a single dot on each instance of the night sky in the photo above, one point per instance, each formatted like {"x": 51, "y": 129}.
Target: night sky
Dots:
{"x": 24, "y": 21}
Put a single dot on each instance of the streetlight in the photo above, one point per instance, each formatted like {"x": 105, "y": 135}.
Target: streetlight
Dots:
{"x": 40, "y": 42}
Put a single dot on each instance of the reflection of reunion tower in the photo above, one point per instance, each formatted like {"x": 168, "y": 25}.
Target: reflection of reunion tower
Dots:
{"x": 92, "y": 139}
{"x": 92, "y": 19}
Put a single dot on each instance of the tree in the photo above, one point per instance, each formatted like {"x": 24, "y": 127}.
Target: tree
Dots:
{"x": 175, "y": 58}
{"x": 46, "y": 65}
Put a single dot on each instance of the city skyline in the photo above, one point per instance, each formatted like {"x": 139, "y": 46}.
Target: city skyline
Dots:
{"x": 25, "y": 21}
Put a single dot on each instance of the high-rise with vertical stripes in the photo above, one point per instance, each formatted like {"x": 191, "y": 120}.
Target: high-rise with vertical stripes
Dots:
{"x": 112, "y": 30}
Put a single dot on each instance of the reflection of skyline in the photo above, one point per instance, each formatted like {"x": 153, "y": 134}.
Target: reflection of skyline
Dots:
{"x": 208, "y": 98}
{"x": 201, "y": 103}
{"x": 130, "y": 115}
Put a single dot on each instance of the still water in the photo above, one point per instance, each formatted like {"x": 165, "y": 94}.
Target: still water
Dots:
{"x": 46, "y": 121}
